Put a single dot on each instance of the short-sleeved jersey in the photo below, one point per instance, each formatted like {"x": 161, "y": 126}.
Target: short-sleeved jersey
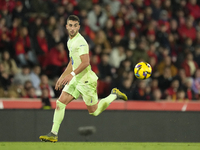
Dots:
{"x": 78, "y": 46}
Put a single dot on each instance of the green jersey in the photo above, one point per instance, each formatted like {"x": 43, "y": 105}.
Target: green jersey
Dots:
{"x": 78, "y": 46}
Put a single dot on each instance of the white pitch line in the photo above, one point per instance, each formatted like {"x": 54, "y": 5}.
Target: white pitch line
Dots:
{"x": 184, "y": 107}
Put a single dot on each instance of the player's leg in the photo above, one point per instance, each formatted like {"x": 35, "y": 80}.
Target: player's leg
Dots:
{"x": 89, "y": 94}
{"x": 69, "y": 93}
{"x": 97, "y": 109}
{"x": 64, "y": 99}
{"x": 59, "y": 113}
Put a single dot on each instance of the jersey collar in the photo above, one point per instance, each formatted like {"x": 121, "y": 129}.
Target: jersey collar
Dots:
{"x": 75, "y": 37}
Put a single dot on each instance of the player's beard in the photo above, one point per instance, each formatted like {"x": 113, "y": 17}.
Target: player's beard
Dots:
{"x": 73, "y": 35}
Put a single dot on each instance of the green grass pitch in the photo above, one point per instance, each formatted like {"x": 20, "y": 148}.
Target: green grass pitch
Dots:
{"x": 97, "y": 146}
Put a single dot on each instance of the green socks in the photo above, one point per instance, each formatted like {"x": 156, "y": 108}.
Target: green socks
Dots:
{"x": 58, "y": 116}
{"x": 104, "y": 103}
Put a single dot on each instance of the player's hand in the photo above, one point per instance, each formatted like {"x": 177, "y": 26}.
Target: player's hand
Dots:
{"x": 67, "y": 79}
{"x": 59, "y": 84}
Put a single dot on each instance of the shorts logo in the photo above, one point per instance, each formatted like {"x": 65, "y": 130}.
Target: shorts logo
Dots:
{"x": 91, "y": 100}
{"x": 72, "y": 60}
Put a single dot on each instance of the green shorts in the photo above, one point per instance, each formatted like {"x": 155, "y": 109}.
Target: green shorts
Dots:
{"x": 88, "y": 91}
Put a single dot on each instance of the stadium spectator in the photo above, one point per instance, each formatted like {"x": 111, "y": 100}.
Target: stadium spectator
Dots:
{"x": 164, "y": 80}
{"x": 35, "y": 26}
{"x": 193, "y": 8}
{"x": 22, "y": 76}
{"x": 181, "y": 76}
{"x": 17, "y": 90}
{"x": 46, "y": 104}
{"x": 196, "y": 84}
{"x": 117, "y": 55}
{"x": 126, "y": 87}
{"x": 51, "y": 26}
{"x": 187, "y": 30}
{"x": 60, "y": 12}
{"x": 162, "y": 35}
{"x": 5, "y": 81}
{"x": 30, "y": 93}
{"x": 58, "y": 61}
{"x": 139, "y": 92}
{"x": 19, "y": 12}
{"x": 171, "y": 92}
{"x": 108, "y": 29}
{"x": 70, "y": 9}
{"x": 147, "y": 14}
{"x": 35, "y": 76}
{"x": 101, "y": 39}
{"x": 88, "y": 34}
{"x": 40, "y": 7}
{"x": 45, "y": 84}
{"x": 105, "y": 70}
{"x": 189, "y": 65}
{"x": 140, "y": 53}
{"x": 105, "y": 76}
{"x": 157, "y": 95}
{"x": 25, "y": 55}
{"x": 167, "y": 5}
{"x": 9, "y": 64}
{"x": 5, "y": 40}
{"x": 6, "y": 14}
{"x": 197, "y": 55}
{"x": 28, "y": 84}
{"x": 94, "y": 59}
{"x": 119, "y": 27}
{"x": 173, "y": 29}
{"x": 97, "y": 18}
{"x": 114, "y": 6}
{"x": 56, "y": 92}
{"x": 152, "y": 51}
{"x": 55, "y": 38}
{"x": 29, "y": 89}
{"x": 167, "y": 62}
{"x": 41, "y": 46}
{"x": 189, "y": 93}
{"x": 125, "y": 66}
{"x": 156, "y": 9}
{"x": 154, "y": 84}
{"x": 129, "y": 42}
{"x": 61, "y": 26}
{"x": 180, "y": 95}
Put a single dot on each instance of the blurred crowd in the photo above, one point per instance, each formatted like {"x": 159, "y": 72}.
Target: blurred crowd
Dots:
{"x": 120, "y": 33}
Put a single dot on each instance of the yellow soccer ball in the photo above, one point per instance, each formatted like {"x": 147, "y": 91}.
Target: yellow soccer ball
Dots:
{"x": 142, "y": 70}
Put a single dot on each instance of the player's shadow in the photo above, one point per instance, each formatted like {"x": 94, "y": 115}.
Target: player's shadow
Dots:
{"x": 86, "y": 131}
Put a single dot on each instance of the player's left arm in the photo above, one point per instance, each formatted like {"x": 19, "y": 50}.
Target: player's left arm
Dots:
{"x": 85, "y": 62}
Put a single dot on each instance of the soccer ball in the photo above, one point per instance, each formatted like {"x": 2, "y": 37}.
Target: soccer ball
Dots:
{"x": 142, "y": 70}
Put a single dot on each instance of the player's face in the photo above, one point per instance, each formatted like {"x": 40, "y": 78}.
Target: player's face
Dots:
{"x": 72, "y": 27}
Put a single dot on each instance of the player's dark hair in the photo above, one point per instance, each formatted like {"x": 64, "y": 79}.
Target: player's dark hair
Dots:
{"x": 74, "y": 18}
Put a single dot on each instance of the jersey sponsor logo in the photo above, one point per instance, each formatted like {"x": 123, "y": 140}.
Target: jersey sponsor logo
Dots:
{"x": 82, "y": 45}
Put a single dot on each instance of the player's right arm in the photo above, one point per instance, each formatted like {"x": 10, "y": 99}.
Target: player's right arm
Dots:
{"x": 67, "y": 71}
